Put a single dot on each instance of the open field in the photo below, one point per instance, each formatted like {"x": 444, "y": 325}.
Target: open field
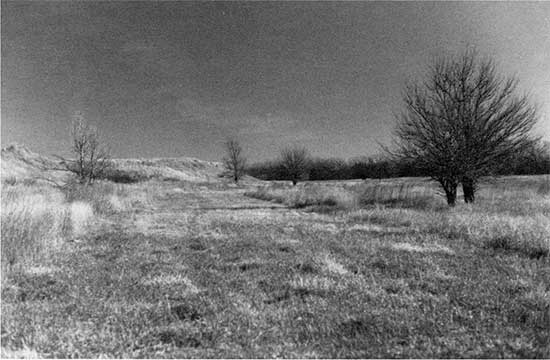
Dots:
{"x": 179, "y": 269}
{"x": 274, "y": 179}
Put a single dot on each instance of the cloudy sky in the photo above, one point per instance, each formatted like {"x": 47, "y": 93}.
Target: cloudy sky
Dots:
{"x": 178, "y": 78}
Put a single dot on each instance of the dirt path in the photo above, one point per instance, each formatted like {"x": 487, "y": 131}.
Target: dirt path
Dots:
{"x": 175, "y": 212}
{"x": 155, "y": 266}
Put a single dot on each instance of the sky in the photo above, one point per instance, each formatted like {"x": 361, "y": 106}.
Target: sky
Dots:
{"x": 168, "y": 79}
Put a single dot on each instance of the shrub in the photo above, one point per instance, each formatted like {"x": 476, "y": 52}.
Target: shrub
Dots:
{"x": 124, "y": 176}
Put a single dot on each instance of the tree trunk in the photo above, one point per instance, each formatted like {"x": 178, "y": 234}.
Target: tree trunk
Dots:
{"x": 450, "y": 186}
{"x": 468, "y": 188}
{"x": 451, "y": 196}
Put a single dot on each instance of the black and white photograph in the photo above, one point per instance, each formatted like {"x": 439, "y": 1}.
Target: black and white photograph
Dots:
{"x": 275, "y": 179}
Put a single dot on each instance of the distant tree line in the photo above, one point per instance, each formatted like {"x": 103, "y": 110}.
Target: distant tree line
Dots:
{"x": 534, "y": 161}
{"x": 337, "y": 169}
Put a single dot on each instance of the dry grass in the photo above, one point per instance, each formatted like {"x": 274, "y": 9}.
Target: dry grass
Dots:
{"x": 174, "y": 169}
{"x": 403, "y": 194}
{"x": 104, "y": 197}
{"x": 34, "y": 220}
{"x": 399, "y": 193}
{"x": 37, "y": 219}
{"x": 209, "y": 273}
{"x": 529, "y": 235}
{"x": 510, "y": 214}
{"x": 81, "y": 214}
{"x": 304, "y": 196}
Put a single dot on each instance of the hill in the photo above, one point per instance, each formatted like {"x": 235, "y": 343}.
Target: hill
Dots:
{"x": 20, "y": 163}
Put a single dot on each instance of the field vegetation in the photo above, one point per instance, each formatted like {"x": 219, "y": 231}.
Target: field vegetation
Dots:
{"x": 378, "y": 268}
{"x": 429, "y": 255}
{"x": 38, "y": 218}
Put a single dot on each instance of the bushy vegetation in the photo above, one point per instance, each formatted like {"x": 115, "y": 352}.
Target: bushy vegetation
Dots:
{"x": 123, "y": 176}
{"x": 535, "y": 161}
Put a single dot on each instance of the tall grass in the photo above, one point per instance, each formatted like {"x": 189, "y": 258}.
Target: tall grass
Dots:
{"x": 394, "y": 194}
{"x": 32, "y": 224}
{"x": 526, "y": 235}
{"x": 104, "y": 197}
{"x": 304, "y": 196}
{"x": 544, "y": 187}
{"x": 509, "y": 214}
{"x": 404, "y": 194}
{"x": 37, "y": 219}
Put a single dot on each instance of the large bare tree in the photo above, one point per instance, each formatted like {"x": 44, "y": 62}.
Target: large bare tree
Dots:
{"x": 295, "y": 162}
{"x": 463, "y": 122}
{"x": 91, "y": 156}
{"x": 234, "y": 161}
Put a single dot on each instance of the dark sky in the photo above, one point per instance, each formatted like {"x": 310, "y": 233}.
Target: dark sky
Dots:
{"x": 177, "y": 78}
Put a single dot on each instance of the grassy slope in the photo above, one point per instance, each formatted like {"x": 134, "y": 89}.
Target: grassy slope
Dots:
{"x": 21, "y": 164}
{"x": 205, "y": 273}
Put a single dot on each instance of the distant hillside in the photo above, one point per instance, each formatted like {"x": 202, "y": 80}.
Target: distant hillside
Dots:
{"x": 184, "y": 169}
{"x": 18, "y": 162}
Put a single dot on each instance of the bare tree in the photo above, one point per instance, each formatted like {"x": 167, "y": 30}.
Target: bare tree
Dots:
{"x": 463, "y": 122}
{"x": 91, "y": 156}
{"x": 234, "y": 161}
{"x": 295, "y": 163}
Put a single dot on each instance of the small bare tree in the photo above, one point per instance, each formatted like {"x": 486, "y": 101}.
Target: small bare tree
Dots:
{"x": 295, "y": 162}
{"x": 463, "y": 122}
{"x": 234, "y": 161}
{"x": 91, "y": 156}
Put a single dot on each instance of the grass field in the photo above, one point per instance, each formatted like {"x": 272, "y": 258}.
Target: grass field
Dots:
{"x": 375, "y": 269}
